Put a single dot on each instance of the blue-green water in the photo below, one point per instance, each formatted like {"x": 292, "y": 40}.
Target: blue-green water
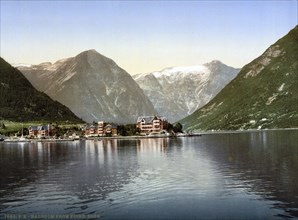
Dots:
{"x": 251, "y": 175}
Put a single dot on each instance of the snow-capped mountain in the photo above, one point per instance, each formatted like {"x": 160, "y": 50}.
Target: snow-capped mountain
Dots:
{"x": 92, "y": 86}
{"x": 16, "y": 65}
{"x": 178, "y": 91}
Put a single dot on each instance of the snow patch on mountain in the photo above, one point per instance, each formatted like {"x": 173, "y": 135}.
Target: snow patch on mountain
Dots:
{"x": 181, "y": 71}
{"x": 281, "y": 87}
{"x": 21, "y": 65}
{"x": 178, "y": 91}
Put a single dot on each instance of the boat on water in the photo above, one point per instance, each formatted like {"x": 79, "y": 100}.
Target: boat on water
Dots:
{"x": 22, "y": 139}
{"x": 52, "y": 140}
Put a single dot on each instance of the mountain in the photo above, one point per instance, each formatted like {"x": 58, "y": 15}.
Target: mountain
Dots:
{"x": 263, "y": 95}
{"x": 92, "y": 86}
{"x": 178, "y": 91}
{"x": 20, "y": 101}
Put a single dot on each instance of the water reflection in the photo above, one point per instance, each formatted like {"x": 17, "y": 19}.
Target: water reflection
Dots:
{"x": 261, "y": 163}
{"x": 153, "y": 144}
{"x": 103, "y": 171}
{"x": 227, "y": 176}
{"x": 45, "y": 172}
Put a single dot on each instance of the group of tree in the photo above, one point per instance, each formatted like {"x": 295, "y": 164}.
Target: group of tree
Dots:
{"x": 131, "y": 129}
{"x": 177, "y": 128}
{"x": 128, "y": 130}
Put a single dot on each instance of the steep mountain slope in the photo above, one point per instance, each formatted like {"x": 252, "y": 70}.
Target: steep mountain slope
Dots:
{"x": 20, "y": 101}
{"x": 92, "y": 86}
{"x": 263, "y": 95}
{"x": 179, "y": 91}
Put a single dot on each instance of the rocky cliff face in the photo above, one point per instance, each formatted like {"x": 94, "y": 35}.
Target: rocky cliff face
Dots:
{"x": 263, "y": 95}
{"x": 92, "y": 86}
{"x": 179, "y": 91}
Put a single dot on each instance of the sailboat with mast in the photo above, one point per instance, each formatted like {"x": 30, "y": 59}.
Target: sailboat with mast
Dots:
{"x": 22, "y": 139}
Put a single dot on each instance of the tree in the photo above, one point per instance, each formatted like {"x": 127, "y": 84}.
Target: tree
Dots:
{"x": 127, "y": 130}
{"x": 2, "y": 125}
{"x": 170, "y": 127}
{"x": 121, "y": 130}
{"x": 177, "y": 128}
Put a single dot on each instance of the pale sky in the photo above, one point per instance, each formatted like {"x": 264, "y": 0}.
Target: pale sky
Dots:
{"x": 144, "y": 36}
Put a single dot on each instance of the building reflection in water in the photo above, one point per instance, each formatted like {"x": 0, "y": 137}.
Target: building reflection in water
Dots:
{"x": 156, "y": 145}
{"x": 88, "y": 175}
{"x": 99, "y": 169}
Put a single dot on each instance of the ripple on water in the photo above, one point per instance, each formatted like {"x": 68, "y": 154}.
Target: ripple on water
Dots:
{"x": 212, "y": 176}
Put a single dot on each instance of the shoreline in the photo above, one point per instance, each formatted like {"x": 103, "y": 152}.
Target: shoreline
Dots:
{"x": 140, "y": 137}
{"x": 135, "y": 137}
{"x": 244, "y": 131}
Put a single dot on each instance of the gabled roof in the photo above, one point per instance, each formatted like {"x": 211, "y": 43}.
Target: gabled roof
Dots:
{"x": 112, "y": 125}
{"x": 163, "y": 118}
{"x": 44, "y": 127}
{"x": 146, "y": 119}
{"x": 88, "y": 126}
{"x": 39, "y": 128}
{"x": 149, "y": 119}
{"x": 34, "y": 128}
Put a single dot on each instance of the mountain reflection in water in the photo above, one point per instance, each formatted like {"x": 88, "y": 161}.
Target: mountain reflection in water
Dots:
{"x": 248, "y": 175}
{"x": 261, "y": 163}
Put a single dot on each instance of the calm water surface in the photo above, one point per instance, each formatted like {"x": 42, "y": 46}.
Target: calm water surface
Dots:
{"x": 249, "y": 175}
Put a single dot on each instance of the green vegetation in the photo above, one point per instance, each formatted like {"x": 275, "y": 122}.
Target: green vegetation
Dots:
{"x": 15, "y": 128}
{"x": 10, "y": 127}
{"x": 20, "y": 102}
{"x": 178, "y": 128}
{"x": 2, "y": 126}
{"x": 128, "y": 130}
{"x": 66, "y": 130}
{"x": 263, "y": 95}
{"x": 63, "y": 129}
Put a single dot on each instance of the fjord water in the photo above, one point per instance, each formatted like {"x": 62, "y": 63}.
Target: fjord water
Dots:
{"x": 247, "y": 175}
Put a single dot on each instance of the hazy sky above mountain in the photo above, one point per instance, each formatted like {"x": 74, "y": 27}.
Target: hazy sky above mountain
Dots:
{"x": 144, "y": 36}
